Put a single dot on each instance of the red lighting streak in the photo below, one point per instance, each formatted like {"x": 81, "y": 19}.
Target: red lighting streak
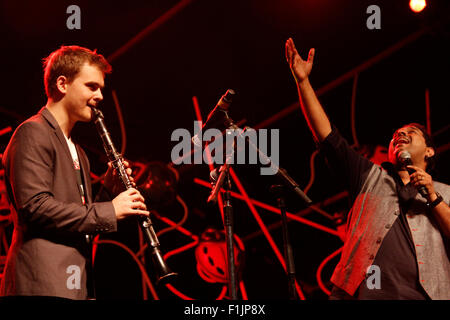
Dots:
{"x": 149, "y": 29}
{"x": 243, "y": 291}
{"x": 136, "y": 259}
{"x": 181, "y": 249}
{"x": 178, "y": 293}
{"x": 184, "y": 248}
{"x": 263, "y": 227}
{"x": 179, "y": 228}
{"x": 5, "y": 130}
{"x": 319, "y": 270}
{"x": 274, "y": 210}
{"x": 222, "y": 293}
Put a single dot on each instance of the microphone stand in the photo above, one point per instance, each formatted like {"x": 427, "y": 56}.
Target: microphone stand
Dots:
{"x": 228, "y": 211}
{"x": 278, "y": 191}
{"x": 229, "y": 235}
{"x": 280, "y": 172}
{"x": 225, "y": 181}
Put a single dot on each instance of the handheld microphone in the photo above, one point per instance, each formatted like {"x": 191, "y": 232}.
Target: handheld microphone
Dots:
{"x": 213, "y": 118}
{"x": 404, "y": 158}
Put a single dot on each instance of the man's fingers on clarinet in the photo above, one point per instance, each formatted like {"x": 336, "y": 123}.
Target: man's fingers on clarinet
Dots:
{"x": 138, "y": 197}
{"x": 142, "y": 213}
{"x": 138, "y": 204}
{"x": 132, "y": 191}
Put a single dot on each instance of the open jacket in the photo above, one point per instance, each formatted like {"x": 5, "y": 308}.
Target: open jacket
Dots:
{"x": 48, "y": 253}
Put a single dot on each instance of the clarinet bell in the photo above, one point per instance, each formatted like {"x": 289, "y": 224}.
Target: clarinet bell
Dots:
{"x": 163, "y": 272}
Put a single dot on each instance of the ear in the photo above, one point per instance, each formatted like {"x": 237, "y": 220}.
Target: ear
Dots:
{"x": 429, "y": 152}
{"x": 61, "y": 84}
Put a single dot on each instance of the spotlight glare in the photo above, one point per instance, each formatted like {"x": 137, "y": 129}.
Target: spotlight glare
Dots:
{"x": 417, "y": 5}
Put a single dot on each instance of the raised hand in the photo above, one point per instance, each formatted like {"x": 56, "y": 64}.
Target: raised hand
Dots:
{"x": 299, "y": 67}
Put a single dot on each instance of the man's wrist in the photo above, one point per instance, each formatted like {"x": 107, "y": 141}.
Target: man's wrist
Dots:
{"x": 433, "y": 196}
{"x": 302, "y": 82}
{"x": 434, "y": 200}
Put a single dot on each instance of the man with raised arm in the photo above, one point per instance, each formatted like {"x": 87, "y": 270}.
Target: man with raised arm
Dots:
{"x": 399, "y": 223}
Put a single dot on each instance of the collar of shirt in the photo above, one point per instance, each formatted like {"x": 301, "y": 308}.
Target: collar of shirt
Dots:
{"x": 406, "y": 193}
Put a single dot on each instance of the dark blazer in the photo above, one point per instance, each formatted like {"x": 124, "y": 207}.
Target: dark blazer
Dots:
{"x": 48, "y": 253}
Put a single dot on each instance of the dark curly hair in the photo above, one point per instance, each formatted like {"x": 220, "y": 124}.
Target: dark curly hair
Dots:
{"x": 431, "y": 161}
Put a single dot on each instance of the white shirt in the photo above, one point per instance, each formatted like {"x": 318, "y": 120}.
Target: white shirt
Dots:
{"x": 76, "y": 164}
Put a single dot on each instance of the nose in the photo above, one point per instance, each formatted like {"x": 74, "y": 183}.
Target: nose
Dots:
{"x": 98, "y": 96}
{"x": 399, "y": 133}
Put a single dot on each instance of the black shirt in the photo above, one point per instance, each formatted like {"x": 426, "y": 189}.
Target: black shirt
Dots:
{"x": 396, "y": 256}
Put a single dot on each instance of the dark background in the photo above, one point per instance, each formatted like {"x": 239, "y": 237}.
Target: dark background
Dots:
{"x": 206, "y": 48}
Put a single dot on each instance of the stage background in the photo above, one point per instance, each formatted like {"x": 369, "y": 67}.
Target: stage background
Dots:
{"x": 204, "y": 49}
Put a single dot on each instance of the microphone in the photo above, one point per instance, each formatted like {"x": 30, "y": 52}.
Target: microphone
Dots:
{"x": 213, "y": 118}
{"x": 213, "y": 175}
{"x": 404, "y": 158}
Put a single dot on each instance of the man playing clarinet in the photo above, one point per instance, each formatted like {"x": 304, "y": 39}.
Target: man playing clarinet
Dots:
{"x": 48, "y": 183}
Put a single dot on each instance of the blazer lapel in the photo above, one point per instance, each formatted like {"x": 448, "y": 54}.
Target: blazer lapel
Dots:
{"x": 50, "y": 119}
{"x": 62, "y": 139}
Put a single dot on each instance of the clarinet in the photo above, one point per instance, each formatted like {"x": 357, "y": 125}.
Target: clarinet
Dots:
{"x": 164, "y": 274}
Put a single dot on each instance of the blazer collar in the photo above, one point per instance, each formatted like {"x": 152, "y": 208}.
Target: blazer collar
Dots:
{"x": 50, "y": 118}
{"x": 47, "y": 115}
{"x": 57, "y": 129}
